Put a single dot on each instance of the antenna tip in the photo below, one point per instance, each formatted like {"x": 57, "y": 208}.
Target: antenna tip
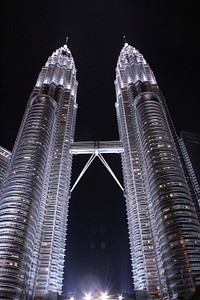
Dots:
{"x": 125, "y": 41}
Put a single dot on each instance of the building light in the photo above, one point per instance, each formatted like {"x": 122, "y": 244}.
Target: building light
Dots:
{"x": 104, "y": 296}
{"x": 87, "y": 297}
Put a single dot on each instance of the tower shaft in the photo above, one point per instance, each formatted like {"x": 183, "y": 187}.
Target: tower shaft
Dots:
{"x": 162, "y": 220}
{"x": 57, "y": 78}
{"x": 34, "y": 203}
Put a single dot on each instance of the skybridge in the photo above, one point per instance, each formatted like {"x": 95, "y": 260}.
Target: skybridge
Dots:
{"x": 96, "y": 149}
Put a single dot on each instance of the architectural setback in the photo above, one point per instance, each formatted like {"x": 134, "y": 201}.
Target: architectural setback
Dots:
{"x": 161, "y": 202}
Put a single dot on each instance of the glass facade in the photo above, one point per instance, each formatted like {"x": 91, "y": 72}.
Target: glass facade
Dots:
{"x": 162, "y": 218}
{"x": 58, "y": 80}
{"x": 34, "y": 202}
{"x": 4, "y": 164}
{"x": 190, "y": 148}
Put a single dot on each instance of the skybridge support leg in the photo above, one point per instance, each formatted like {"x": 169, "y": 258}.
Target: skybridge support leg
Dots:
{"x": 92, "y": 157}
{"x": 102, "y": 159}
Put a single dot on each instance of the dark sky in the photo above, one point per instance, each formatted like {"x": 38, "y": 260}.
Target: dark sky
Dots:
{"x": 167, "y": 33}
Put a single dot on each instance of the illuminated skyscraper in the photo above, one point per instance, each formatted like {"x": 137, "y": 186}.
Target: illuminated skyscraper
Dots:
{"x": 163, "y": 226}
{"x": 34, "y": 202}
{"x": 162, "y": 220}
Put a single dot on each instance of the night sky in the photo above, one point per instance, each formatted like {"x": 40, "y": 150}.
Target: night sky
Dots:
{"x": 167, "y": 33}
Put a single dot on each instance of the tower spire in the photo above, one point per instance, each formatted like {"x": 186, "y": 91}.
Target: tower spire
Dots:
{"x": 66, "y": 40}
{"x": 125, "y": 41}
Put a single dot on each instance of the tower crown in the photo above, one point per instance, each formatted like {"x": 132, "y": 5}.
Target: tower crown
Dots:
{"x": 59, "y": 70}
{"x": 61, "y": 56}
{"x": 132, "y": 67}
{"x": 130, "y": 54}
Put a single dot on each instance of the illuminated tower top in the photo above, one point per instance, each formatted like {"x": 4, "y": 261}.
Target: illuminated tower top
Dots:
{"x": 132, "y": 67}
{"x": 59, "y": 70}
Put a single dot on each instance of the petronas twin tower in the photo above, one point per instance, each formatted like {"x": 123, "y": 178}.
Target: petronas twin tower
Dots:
{"x": 162, "y": 210}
